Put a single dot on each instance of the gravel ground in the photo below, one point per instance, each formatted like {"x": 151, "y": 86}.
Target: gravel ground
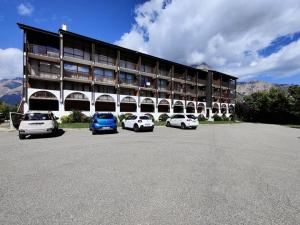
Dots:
{"x": 217, "y": 174}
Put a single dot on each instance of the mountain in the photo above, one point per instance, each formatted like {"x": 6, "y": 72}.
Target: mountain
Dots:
{"x": 10, "y": 90}
{"x": 250, "y": 87}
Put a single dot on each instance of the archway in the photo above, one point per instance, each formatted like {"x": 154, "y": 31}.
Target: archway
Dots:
{"x": 128, "y": 104}
{"x": 43, "y": 100}
{"x": 105, "y": 103}
{"x": 77, "y": 101}
{"x": 163, "y": 106}
{"x": 231, "y": 109}
{"x": 201, "y": 108}
{"x": 147, "y": 105}
{"x": 190, "y": 108}
{"x": 223, "y": 108}
{"x": 178, "y": 107}
{"x": 215, "y": 108}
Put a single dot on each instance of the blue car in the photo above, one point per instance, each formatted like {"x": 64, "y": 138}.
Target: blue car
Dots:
{"x": 103, "y": 122}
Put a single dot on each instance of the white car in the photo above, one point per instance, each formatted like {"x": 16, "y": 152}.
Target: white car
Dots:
{"x": 34, "y": 123}
{"x": 182, "y": 121}
{"x": 138, "y": 123}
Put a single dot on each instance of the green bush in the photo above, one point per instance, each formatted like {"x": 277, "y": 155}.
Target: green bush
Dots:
{"x": 123, "y": 116}
{"x": 163, "y": 117}
{"x": 217, "y": 117}
{"x": 224, "y": 118}
{"x": 75, "y": 117}
{"x": 201, "y": 117}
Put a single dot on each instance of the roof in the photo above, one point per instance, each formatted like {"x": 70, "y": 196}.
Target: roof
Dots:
{"x": 26, "y": 27}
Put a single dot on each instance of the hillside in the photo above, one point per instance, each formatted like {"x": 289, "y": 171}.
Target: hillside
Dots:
{"x": 10, "y": 90}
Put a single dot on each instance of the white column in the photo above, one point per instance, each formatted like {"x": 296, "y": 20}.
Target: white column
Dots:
{"x": 210, "y": 115}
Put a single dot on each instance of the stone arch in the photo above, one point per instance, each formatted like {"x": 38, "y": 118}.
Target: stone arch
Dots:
{"x": 77, "y": 101}
{"x": 44, "y": 101}
{"x": 128, "y": 104}
{"x": 178, "y": 107}
{"x": 147, "y": 105}
{"x": 163, "y": 106}
{"x": 105, "y": 103}
{"x": 190, "y": 107}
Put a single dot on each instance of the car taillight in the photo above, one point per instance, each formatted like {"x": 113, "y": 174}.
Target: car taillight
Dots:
{"x": 139, "y": 121}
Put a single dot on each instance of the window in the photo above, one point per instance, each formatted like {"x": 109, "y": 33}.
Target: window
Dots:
{"x": 77, "y": 50}
{"x": 70, "y": 67}
{"x": 162, "y": 84}
{"x": 146, "y": 81}
{"x": 83, "y": 69}
{"x": 127, "y": 78}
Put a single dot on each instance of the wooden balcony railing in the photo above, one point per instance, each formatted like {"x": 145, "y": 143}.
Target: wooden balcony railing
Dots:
{"x": 179, "y": 76}
{"x": 128, "y": 65}
{"x": 201, "y": 81}
{"x": 216, "y": 82}
{"x": 104, "y": 79}
{"x": 129, "y": 82}
{"x": 46, "y": 75}
{"x": 43, "y": 50}
{"x": 77, "y": 75}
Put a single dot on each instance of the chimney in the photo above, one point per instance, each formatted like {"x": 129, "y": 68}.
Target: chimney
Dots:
{"x": 64, "y": 27}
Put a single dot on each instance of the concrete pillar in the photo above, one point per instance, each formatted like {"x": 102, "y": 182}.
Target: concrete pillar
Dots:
{"x": 210, "y": 114}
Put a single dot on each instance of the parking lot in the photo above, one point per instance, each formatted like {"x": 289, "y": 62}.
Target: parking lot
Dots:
{"x": 217, "y": 174}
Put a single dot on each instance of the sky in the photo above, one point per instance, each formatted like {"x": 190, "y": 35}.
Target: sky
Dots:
{"x": 253, "y": 40}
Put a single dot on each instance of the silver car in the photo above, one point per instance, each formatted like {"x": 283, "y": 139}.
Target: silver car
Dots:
{"x": 34, "y": 123}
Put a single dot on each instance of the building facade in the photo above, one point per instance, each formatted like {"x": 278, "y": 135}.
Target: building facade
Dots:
{"x": 65, "y": 71}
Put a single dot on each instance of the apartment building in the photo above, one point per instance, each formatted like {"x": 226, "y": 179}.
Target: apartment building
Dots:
{"x": 66, "y": 71}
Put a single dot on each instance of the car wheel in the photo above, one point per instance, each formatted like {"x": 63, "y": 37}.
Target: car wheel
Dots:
{"x": 136, "y": 128}
{"x": 168, "y": 124}
{"x": 116, "y": 130}
{"x": 194, "y": 128}
{"x": 94, "y": 132}
{"x": 183, "y": 126}
{"x": 21, "y": 136}
{"x": 123, "y": 126}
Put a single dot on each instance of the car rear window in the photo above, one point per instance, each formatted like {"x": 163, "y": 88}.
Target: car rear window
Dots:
{"x": 105, "y": 116}
{"x": 144, "y": 118}
{"x": 180, "y": 116}
{"x": 37, "y": 116}
{"x": 191, "y": 117}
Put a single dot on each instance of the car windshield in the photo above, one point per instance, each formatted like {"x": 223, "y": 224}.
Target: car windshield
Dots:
{"x": 105, "y": 116}
{"x": 144, "y": 118}
{"x": 191, "y": 117}
{"x": 37, "y": 116}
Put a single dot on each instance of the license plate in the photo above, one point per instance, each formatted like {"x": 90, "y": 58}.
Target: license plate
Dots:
{"x": 147, "y": 125}
{"x": 105, "y": 128}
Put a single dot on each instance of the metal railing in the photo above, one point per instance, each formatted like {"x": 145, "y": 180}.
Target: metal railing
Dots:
{"x": 77, "y": 75}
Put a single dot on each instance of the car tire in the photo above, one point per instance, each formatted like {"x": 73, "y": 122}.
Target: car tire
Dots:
{"x": 194, "y": 128}
{"x": 123, "y": 126}
{"x": 183, "y": 126}
{"x": 94, "y": 132}
{"x": 21, "y": 136}
{"x": 116, "y": 130}
{"x": 136, "y": 128}
{"x": 168, "y": 124}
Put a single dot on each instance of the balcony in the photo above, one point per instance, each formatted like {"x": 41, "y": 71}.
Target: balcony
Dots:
{"x": 225, "y": 84}
{"x": 201, "y": 82}
{"x": 128, "y": 83}
{"x": 45, "y": 75}
{"x": 43, "y": 50}
{"x": 127, "y": 65}
{"x": 201, "y": 93}
{"x": 216, "y": 93}
{"x": 191, "y": 79}
{"x": 178, "y": 90}
{"x": 216, "y": 82}
{"x": 105, "y": 80}
{"x": 77, "y": 75}
{"x": 191, "y": 92}
{"x": 179, "y": 76}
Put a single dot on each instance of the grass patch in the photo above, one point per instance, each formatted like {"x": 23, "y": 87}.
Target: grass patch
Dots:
{"x": 218, "y": 122}
{"x": 74, "y": 125}
{"x": 294, "y": 126}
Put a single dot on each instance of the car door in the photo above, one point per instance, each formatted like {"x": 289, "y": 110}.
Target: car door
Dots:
{"x": 127, "y": 122}
{"x": 173, "y": 120}
{"x": 181, "y": 118}
{"x": 132, "y": 121}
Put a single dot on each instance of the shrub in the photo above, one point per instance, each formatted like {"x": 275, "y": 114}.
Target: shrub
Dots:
{"x": 201, "y": 117}
{"x": 75, "y": 117}
{"x": 123, "y": 116}
{"x": 163, "y": 117}
{"x": 217, "y": 117}
{"x": 224, "y": 118}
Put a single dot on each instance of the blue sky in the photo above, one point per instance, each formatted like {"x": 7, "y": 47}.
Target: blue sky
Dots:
{"x": 258, "y": 42}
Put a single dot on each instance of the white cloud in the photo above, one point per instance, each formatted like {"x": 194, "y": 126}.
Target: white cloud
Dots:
{"x": 25, "y": 9}
{"x": 11, "y": 63}
{"x": 224, "y": 34}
